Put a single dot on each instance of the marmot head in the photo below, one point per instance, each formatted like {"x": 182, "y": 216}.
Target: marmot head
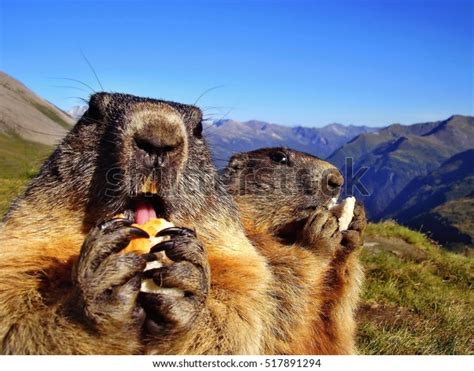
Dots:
{"x": 277, "y": 189}
{"x": 131, "y": 155}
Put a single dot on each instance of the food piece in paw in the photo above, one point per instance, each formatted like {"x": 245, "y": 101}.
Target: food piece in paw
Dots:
{"x": 143, "y": 246}
{"x": 150, "y": 287}
{"x": 344, "y": 212}
{"x": 152, "y": 227}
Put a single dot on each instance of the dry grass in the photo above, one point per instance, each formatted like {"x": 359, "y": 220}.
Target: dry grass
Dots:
{"x": 415, "y": 306}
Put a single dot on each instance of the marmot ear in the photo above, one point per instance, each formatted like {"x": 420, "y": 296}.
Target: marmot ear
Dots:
{"x": 98, "y": 104}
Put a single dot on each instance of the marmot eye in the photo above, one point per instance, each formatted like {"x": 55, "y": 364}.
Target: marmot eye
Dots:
{"x": 279, "y": 157}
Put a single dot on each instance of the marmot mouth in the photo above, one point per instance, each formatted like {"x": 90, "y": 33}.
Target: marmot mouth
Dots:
{"x": 144, "y": 207}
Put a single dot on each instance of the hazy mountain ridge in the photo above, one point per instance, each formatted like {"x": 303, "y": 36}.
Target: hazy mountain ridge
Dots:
{"x": 76, "y": 112}
{"x": 452, "y": 180}
{"x": 229, "y": 136}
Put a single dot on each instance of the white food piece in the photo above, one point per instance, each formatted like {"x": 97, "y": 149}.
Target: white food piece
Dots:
{"x": 153, "y": 265}
{"x": 344, "y": 211}
{"x": 347, "y": 213}
{"x": 148, "y": 285}
{"x": 151, "y": 287}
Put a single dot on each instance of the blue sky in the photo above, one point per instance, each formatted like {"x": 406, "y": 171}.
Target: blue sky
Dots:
{"x": 290, "y": 62}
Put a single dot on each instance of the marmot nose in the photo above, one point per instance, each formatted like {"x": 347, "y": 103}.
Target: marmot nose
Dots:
{"x": 154, "y": 145}
{"x": 335, "y": 181}
{"x": 162, "y": 135}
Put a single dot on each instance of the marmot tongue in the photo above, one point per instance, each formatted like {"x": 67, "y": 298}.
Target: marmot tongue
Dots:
{"x": 144, "y": 212}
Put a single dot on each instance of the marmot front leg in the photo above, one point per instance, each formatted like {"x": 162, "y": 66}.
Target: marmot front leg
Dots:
{"x": 321, "y": 235}
{"x": 189, "y": 314}
{"x": 343, "y": 282}
{"x": 343, "y": 276}
{"x": 107, "y": 283}
{"x": 352, "y": 239}
{"x": 182, "y": 286}
{"x": 98, "y": 314}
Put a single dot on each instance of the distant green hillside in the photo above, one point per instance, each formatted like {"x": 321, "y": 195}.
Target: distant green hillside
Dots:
{"x": 454, "y": 179}
{"x": 19, "y": 161}
{"x": 441, "y": 203}
{"x": 30, "y": 116}
{"x": 451, "y": 224}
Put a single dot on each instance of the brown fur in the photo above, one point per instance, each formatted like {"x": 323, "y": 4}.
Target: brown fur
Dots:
{"x": 57, "y": 297}
{"x": 282, "y": 195}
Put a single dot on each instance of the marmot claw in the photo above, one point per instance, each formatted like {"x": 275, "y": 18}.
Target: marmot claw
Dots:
{"x": 179, "y": 231}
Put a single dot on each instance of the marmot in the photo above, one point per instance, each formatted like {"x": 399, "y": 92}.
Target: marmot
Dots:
{"x": 283, "y": 196}
{"x": 64, "y": 288}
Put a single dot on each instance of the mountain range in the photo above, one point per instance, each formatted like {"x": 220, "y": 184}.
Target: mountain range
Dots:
{"x": 395, "y": 155}
{"x": 227, "y": 137}
{"x": 420, "y": 174}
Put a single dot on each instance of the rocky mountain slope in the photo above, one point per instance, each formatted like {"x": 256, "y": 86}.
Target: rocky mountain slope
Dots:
{"x": 29, "y": 116}
{"x": 397, "y": 154}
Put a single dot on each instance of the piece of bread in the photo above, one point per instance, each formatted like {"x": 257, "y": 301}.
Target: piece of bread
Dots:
{"x": 344, "y": 212}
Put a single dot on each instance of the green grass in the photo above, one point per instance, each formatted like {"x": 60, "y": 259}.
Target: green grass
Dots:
{"x": 415, "y": 307}
{"x": 19, "y": 162}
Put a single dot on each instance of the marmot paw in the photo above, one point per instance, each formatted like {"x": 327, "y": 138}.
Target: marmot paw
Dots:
{"x": 321, "y": 233}
{"x": 179, "y": 289}
{"x": 107, "y": 283}
{"x": 359, "y": 221}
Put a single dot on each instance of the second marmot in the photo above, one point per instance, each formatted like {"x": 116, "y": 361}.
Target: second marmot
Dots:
{"x": 284, "y": 198}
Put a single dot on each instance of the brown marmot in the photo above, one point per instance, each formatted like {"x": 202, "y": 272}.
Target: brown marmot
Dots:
{"x": 64, "y": 288}
{"x": 283, "y": 196}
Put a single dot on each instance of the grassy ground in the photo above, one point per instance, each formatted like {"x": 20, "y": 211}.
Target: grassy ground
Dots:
{"x": 19, "y": 161}
{"x": 417, "y": 298}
